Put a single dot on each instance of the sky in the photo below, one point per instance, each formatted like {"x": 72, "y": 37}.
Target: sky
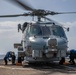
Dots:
{"x": 8, "y": 26}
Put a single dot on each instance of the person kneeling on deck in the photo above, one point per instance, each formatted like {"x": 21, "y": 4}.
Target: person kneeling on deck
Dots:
{"x": 7, "y": 56}
{"x": 72, "y": 56}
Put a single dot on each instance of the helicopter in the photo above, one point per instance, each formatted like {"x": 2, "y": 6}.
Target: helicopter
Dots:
{"x": 43, "y": 41}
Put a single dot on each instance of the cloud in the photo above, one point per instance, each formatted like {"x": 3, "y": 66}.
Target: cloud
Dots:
{"x": 9, "y": 24}
{"x": 69, "y": 24}
{"x": 64, "y": 0}
{"x": 9, "y": 35}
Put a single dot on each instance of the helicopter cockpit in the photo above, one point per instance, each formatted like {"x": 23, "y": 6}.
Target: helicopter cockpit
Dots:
{"x": 35, "y": 30}
{"x": 45, "y": 30}
{"x": 40, "y": 30}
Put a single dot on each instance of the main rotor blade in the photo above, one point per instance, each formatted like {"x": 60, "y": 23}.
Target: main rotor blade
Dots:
{"x": 22, "y": 4}
{"x": 55, "y": 13}
{"x": 46, "y": 18}
{"x": 3, "y": 16}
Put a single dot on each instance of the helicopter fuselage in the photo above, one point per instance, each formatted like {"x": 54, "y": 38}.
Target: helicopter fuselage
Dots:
{"x": 44, "y": 42}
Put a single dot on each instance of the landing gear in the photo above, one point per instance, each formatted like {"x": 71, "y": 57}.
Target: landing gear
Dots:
{"x": 62, "y": 61}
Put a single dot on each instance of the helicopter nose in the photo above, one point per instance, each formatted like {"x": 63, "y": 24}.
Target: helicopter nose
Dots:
{"x": 52, "y": 43}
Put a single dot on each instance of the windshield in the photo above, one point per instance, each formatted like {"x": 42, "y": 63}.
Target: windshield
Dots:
{"x": 58, "y": 31}
{"x": 35, "y": 30}
{"x": 40, "y": 30}
{"x": 46, "y": 30}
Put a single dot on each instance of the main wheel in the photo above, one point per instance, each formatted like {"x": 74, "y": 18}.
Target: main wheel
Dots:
{"x": 62, "y": 61}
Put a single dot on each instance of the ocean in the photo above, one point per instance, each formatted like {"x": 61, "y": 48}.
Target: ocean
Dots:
{"x": 2, "y": 56}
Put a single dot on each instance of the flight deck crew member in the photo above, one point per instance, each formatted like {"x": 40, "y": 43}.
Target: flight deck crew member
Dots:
{"x": 8, "y": 54}
{"x": 72, "y": 56}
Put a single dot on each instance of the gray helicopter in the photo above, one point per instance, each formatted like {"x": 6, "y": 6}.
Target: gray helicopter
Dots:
{"x": 43, "y": 41}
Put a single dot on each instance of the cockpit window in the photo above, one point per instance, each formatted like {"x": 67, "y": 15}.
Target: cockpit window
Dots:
{"x": 58, "y": 31}
{"x": 40, "y": 30}
{"x": 35, "y": 30}
{"x": 46, "y": 30}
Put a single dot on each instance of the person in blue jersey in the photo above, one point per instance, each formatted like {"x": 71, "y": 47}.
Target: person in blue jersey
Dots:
{"x": 72, "y": 56}
{"x": 7, "y": 56}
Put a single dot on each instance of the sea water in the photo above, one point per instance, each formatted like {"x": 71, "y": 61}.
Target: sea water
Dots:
{"x": 2, "y": 56}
